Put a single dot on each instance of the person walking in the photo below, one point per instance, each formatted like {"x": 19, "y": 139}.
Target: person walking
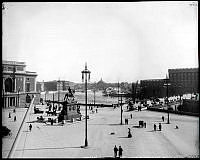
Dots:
{"x": 115, "y": 151}
{"x": 160, "y": 126}
{"x": 30, "y": 127}
{"x": 154, "y": 127}
{"x": 120, "y": 151}
{"x": 163, "y": 118}
{"x": 9, "y": 115}
{"x": 145, "y": 124}
{"x": 129, "y": 133}
{"x": 15, "y": 118}
{"x": 131, "y": 116}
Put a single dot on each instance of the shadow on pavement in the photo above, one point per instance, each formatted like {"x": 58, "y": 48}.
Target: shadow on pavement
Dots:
{"x": 48, "y": 148}
{"x": 123, "y": 137}
{"x": 136, "y": 127}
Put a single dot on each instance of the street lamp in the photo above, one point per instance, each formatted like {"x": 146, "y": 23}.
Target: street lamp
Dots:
{"x": 94, "y": 97}
{"x": 58, "y": 88}
{"x": 167, "y": 84}
{"x": 121, "y": 102}
{"x": 45, "y": 95}
{"x": 3, "y": 99}
{"x": 85, "y": 72}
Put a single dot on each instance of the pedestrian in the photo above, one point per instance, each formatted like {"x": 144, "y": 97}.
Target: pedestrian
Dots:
{"x": 163, "y": 118}
{"x": 160, "y": 126}
{"x": 129, "y": 133}
{"x": 120, "y": 151}
{"x": 9, "y": 115}
{"x": 14, "y": 110}
{"x": 115, "y": 151}
{"x": 15, "y": 118}
{"x": 30, "y": 127}
{"x": 131, "y": 116}
{"x": 145, "y": 124}
{"x": 154, "y": 127}
{"x": 96, "y": 110}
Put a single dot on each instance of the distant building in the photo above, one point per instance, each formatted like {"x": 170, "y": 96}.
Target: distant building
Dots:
{"x": 184, "y": 80}
{"x": 56, "y": 85}
{"x": 40, "y": 86}
{"x": 16, "y": 82}
{"x": 152, "y": 88}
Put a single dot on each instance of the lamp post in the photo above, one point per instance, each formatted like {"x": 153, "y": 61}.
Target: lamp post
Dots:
{"x": 120, "y": 103}
{"x": 167, "y": 84}
{"x": 84, "y": 75}
{"x": 94, "y": 97}
{"x": 59, "y": 92}
{"x": 45, "y": 95}
{"x": 3, "y": 99}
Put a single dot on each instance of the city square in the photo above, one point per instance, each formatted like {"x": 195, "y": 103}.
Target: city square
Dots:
{"x": 100, "y": 80}
{"x": 45, "y": 140}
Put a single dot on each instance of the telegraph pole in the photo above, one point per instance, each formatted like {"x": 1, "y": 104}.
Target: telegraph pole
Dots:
{"x": 84, "y": 76}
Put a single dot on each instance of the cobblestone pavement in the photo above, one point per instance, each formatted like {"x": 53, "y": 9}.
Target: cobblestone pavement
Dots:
{"x": 12, "y": 125}
{"x": 46, "y": 141}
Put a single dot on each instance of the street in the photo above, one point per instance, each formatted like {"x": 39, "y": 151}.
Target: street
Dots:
{"x": 45, "y": 140}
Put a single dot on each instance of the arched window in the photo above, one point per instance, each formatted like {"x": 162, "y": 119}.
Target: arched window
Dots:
{"x": 8, "y": 85}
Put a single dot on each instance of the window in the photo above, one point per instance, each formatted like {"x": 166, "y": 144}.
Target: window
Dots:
{"x": 20, "y": 68}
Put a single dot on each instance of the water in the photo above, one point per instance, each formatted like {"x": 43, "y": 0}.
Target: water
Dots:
{"x": 80, "y": 97}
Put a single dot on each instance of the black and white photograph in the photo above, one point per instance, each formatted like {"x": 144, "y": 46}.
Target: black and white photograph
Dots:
{"x": 100, "y": 79}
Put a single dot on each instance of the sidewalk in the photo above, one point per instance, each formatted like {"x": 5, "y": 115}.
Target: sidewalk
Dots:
{"x": 7, "y": 141}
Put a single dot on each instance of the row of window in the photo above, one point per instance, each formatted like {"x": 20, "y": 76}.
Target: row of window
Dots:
{"x": 183, "y": 76}
{"x": 11, "y": 68}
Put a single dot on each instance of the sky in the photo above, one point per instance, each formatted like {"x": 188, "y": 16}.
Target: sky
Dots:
{"x": 119, "y": 41}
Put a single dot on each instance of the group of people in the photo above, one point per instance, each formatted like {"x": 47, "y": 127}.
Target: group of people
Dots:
{"x": 160, "y": 127}
{"x": 116, "y": 150}
{"x": 126, "y": 120}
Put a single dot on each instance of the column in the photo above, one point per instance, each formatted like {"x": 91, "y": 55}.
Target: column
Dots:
{"x": 35, "y": 84}
{"x": 8, "y": 102}
{"x": 15, "y": 84}
{"x": 24, "y": 82}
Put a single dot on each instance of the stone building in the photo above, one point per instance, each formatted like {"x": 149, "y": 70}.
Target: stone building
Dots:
{"x": 184, "y": 80}
{"x": 17, "y": 83}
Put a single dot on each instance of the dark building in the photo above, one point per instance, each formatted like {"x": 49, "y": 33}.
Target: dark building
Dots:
{"x": 152, "y": 88}
{"x": 184, "y": 80}
{"x": 60, "y": 85}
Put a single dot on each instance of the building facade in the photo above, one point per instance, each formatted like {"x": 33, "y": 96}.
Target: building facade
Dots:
{"x": 16, "y": 82}
{"x": 152, "y": 88}
{"x": 40, "y": 86}
{"x": 184, "y": 80}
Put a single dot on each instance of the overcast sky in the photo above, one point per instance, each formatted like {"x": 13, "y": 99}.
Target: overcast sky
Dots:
{"x": 119, "y": 41}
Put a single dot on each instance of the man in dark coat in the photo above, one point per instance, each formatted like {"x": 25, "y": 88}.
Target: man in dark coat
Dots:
{"x": 120, "y": 151}
{"x": 115, "y": 151}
